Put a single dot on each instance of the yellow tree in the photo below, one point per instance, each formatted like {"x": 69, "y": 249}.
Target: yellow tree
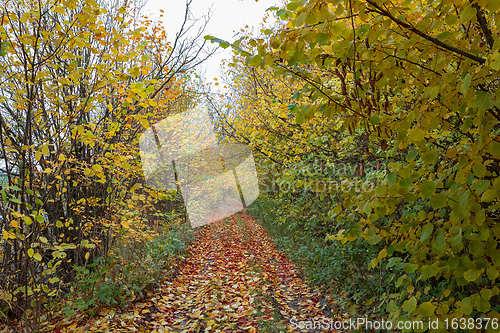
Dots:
{"x": 80, "y": 81}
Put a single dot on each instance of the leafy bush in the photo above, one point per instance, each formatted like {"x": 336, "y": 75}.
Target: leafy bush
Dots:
{"x": 128, "y": 272}
{"x": 298, "y": 230}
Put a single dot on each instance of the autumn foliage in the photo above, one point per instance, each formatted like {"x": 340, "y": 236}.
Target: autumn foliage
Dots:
{"x": 80, "y": 81}
{"x": 396, "y": 105}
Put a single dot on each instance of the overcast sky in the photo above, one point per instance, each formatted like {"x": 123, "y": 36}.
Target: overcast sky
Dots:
{"x": 228, "y": 17}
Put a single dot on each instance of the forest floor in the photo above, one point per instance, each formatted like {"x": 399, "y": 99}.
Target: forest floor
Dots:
{"x": 233, "y": 280}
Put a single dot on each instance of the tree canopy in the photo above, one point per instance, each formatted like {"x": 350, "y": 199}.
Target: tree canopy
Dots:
{"x": 80, "y": 81}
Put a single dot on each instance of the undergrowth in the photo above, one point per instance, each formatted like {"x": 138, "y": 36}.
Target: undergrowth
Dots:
{"x": 341, "y": 269}
{"x": 127, "y": 274}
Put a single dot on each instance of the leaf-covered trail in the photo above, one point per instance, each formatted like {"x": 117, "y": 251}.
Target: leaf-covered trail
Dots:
{"x": 234, "y": 280}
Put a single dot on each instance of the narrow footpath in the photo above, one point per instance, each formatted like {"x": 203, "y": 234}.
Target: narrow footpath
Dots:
{"x": 233, "y": 280}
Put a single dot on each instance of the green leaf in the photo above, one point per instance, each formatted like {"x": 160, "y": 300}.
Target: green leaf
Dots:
{"x": 495, "y": 256}
{"x": 484, "y": 100}
{"x": 256, "y": 60}
{"x": 494, "y": 148}
{"x": 28, "y": 220}
{"x": 480, "y": 186}
{"x": 426, "y": 309}
{"x": 492, "y": 273}
{"x": 281, "y": 12}
{"x": 472, "y": 274}
{"x": 495, "y": 60}
{"x": 292, "y": 5}
{"x": 380, "y": 190}
{"x": 391, "y": 178}
{"x": 222, "y": 43}
{"x": 426, "y": 231}
{"x": 430, "y": 270}
{"x": 374, "y": 239}
{"x": 468, "y": 13}
{"x": 439, "y": 243}
{"x": 443, "y": 35}
{"x": 4, "y": 47}
{"x": 410, "y": 305}
{"x": 427, "y": 188}
{"x": 410, "y": 268}
{"x": 407, "y": 182}
{"x": 476, "y": 248}
{"x": 456, "y": 241}
{"x": 300, "y": 19}
{"x": 411, "y": 155}
{"x": 466, "y": 306}
{"x": 299, "y": 118}
{"x": 483, "y": 305}
{"x": 465, "y": 83}
{"x": 429, "y": 157}
{"x": 490, "y": 195}
{"x": 134, "y": 71}
{"x": 15, "y": 200}
{"x": 438, "y": 201}
{"x": 479, "y": 169}
{"x": 417, "y": 134}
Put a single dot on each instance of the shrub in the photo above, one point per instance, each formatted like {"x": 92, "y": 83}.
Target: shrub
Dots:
{"x": 131, "y": 270}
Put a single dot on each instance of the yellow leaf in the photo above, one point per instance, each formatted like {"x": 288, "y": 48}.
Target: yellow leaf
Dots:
{"x": 37, "y": 256}
{"x": 30, "y": 252}
{"x": 135, "y": 71}
{"x": 87, "y": 172}
{"x": 59, "y": 10}
{"x": 27, "y": 39}
{"x": 5, "y": 234}
{"x": 38, "y": 155}
{"x": 45, "y": 150}
{"x": 417, "y": 134}
{"x": 17, "y": 214}
{"x": 87, "y": 255}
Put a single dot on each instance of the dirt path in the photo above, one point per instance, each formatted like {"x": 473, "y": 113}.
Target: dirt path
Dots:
{"x": 234, "y": 280}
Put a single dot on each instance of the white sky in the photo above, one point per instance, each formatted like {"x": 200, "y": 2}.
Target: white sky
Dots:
{"x": 228, "y": 17}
